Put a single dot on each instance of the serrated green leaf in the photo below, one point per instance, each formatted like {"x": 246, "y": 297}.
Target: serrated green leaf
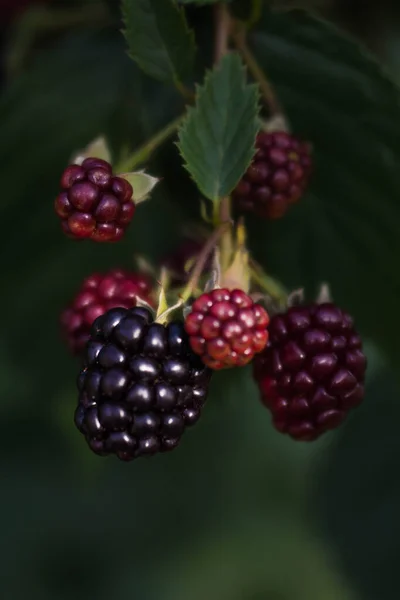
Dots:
{"x": 217, "y": 137}
{"x": 345, "y": 230}
{"x": 159, "y": 39}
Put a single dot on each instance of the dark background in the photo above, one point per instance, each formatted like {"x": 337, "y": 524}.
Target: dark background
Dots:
{"x": 237, "y": 512}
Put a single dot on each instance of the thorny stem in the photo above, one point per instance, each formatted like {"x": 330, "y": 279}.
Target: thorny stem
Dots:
{"x": 222, "y": 208}
{"x": 239, "y": 37}
{"x": 215, "y": 279}
{"x": 222, "y": 29}
{"x": 224, "y": 215}
{"x": 144, "y": 153}
{"x": 202, "y": 260}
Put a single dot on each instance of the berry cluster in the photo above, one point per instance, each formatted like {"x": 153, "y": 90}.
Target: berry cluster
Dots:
{"x": 312, "y": 372}
{"x": 277, "y": 177}
{"x": 143, "y": 382}
{"x": 227, "y": 328}
{"x": 98, "y": 294}
{"x": 141, "y": 385}
{"x": 93, "y": 203}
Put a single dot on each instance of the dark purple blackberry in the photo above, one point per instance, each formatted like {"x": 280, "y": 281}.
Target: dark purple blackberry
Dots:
{"x": 141, "y": 385}
{"x": 312, "y": 371}
{"x": 278, "y": 176}
{"x": 93, "y": 203}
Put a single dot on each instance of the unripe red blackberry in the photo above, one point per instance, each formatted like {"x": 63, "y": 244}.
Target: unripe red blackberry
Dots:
{"x": 226, "y": 328}
{"x": 277, "y": 177}
{"x": 141, "y": 385}
{"x": 312, "y": 371}
{"x": 98, "y": 294}
{"x": 94, "y": 204}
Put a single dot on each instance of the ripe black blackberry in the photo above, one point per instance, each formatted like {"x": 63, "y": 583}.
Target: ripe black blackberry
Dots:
{"x": 141, "y": 385}
{"x": 312, "y": 372}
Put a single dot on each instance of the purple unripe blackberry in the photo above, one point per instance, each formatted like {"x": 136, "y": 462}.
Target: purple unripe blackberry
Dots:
{"x": 141, "y": 385}
{"x": 93, "y": 203}
{"x": 312, "y": 372}
{"x": 277, "y": 177}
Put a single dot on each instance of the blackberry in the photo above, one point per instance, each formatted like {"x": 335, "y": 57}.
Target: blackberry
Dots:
{"x": 93, "y": 203}
{"x": 226, "y": 328}
{"x": 312, "y": 372}
{"x": 98, "y": 294}
{"x": 277, "y": 177}
{"x": 141, "y": 385}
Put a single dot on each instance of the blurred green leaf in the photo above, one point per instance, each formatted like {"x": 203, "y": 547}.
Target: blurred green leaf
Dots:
{"x": 158, "y": 38}
{"x": 345, "y": 230}
{"x": 217, "y": 137}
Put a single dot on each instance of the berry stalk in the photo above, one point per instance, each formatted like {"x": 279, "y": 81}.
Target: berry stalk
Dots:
{"x": 202, "y": 260}
{"x": 222, "y": 30}
{"x": 238, "y": 34}
{"x": 144, "y": 153}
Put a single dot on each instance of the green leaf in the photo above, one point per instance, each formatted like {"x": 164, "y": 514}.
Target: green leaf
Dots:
{"x": 345, "y": 230}
{"x": 159, "y": 39}
{"x": 217, "y": 137}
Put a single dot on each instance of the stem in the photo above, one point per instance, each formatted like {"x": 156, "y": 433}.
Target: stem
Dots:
{"x": 225, "y": 210}
{"x": 144, "y": 153}
{"x": 268, "y": 284}
{"x": 222, "y": 29}
{"x": 239, "y": 37}
{"x": 223, "y": 215}
{"x": 222, "y": 208}
{"x": 202, "y": 260}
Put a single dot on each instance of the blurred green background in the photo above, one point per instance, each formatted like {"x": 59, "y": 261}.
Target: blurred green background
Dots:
{"x": 237, "y": 512}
